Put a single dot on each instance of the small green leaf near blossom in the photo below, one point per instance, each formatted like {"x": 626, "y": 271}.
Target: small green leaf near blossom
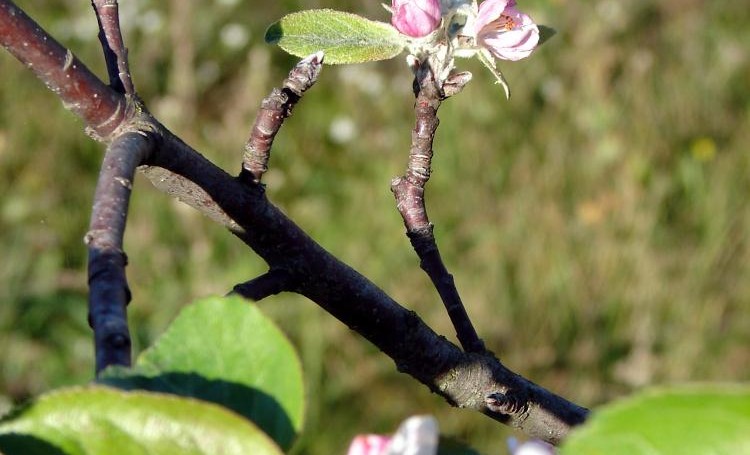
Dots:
{"x": 343, "y": 37}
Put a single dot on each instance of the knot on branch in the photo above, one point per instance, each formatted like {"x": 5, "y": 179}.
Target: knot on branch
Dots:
{"x": 118, "y": 341}
{"x": 113, "y": 343}
{"x": 410, "y": 204}
{"x": 419, "y": 170}
{"x": 105, "y": 241}
{"x": 509, "y": 403}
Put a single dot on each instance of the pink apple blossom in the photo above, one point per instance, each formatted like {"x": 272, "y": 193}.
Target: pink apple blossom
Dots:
{"x": 416, "y": 18}
{"x": 368, "y": 444}
{"x": 504, "y": 31}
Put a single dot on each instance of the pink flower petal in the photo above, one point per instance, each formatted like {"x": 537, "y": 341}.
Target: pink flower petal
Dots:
{"x": 489, "y": 11}
{"x": 511, "y": 36}
{"x": 512, "y": 45}
{"x": 416, "y": 18}
{"x": 368, "y": 444}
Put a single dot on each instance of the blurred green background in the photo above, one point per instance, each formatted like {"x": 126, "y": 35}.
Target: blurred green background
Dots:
{"x": 596, "y": 223}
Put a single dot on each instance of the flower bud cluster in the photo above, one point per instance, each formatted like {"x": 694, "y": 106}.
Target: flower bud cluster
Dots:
{"x": 496, "y": 26}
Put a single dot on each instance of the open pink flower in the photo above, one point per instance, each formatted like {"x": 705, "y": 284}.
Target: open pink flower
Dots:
{"x": 504, "y": 31}
{"x": 416, "y": 18}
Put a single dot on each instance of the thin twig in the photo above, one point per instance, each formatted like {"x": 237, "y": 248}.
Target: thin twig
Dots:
{"x": 115, "y": 53}
{"x": 108, "y": 288}
{"x": 274, "y": 110}
{"x": 270, "y": 283}
{"x": 409, "y": 193}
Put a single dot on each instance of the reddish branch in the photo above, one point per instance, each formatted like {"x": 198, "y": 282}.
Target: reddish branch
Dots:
{"x": 273, "y": 111}
{"x": 101, "y": 108}
{"x": 475, "y": 381}
{"x": 409, "y": 193}
{"x": 115, "y": 53}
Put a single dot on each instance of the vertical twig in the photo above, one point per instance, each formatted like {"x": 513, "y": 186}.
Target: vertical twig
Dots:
{"x": 409, "y": 193}
{"x": 109, "y": 293}
{"x": 274, "y": 110}
{"x": 108, "y": 288}
{"x": 115, "y": 53}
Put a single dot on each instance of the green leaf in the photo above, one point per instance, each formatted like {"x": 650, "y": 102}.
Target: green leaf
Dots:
{"x": 545, "y": 33}
{"x": 101, "y": 420}
{"x": 692, "y": 420}
{"x": 343, "y": 37}
{"x": 224, "y": 350}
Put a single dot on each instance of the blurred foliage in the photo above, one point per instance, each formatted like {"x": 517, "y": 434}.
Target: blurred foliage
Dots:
{"x": 596, "y": 224}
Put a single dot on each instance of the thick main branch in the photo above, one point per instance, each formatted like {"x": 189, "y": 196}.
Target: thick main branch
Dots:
{"x": 463, "y": 379}
{"x": 101, "y": 108}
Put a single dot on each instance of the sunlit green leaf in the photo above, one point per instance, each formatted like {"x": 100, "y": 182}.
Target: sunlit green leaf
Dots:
{"x": 344, "y": 37}
{"x": 98, "y": 420}
{"x": 224, "y": 350}
{"x": 695, "y": 420}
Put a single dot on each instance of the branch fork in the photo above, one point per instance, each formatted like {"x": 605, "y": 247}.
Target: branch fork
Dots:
{"x": 472, "y": 378}
{"x": 409, "y": 193}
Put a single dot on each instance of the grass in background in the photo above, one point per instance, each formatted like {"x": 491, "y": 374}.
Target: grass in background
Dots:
{"x": 596, "y": 223}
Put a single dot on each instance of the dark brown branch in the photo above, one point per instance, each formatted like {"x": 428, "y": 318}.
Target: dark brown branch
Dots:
{"x": 273, "y": 111}
{"x": 115, "y": 53}
{"x": 464, "y": 379}
{"x": 409, "y": 193}
{"x": 108, "y": 288}
{"x": 101, "y": 108}
{"x": 270, "y": 283}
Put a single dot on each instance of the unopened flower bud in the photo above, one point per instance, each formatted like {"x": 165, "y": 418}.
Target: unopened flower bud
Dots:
{"x": 416, "y": 18}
